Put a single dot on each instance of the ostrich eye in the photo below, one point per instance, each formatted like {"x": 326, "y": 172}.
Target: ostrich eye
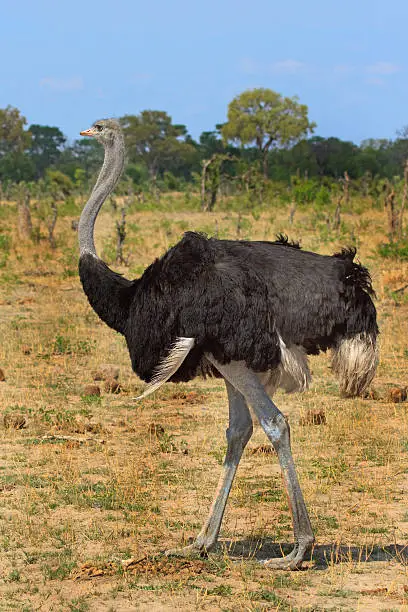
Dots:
{"x": 99, "y": 127}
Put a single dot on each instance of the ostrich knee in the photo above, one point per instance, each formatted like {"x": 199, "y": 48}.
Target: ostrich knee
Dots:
{"x": 238, "y": 437}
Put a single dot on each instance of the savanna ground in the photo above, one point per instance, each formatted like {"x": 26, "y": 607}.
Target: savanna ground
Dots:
{"x": 93, "y": 489}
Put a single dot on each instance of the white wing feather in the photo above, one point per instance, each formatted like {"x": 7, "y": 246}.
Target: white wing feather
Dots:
{"x": 169, "y": 365}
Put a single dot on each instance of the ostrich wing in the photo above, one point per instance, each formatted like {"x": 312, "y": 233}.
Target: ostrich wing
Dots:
{"x": 169, "y": 365}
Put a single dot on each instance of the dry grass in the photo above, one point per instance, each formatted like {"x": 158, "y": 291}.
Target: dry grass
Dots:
{"x": 89, "y": 482}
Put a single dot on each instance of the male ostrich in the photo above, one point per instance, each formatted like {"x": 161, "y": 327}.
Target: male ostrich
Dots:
{"x": 249, "y": 312}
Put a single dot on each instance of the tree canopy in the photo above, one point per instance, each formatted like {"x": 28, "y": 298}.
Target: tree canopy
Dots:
{"x": 151, "y": 137}
{"x": 13, "y": 137}
{"x": 264, "y": 118}
{"x": 45, "y": 147}
{"x": 15, "y": 165}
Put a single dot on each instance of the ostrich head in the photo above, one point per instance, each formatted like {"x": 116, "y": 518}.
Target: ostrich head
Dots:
{"x": 104, "y": 130}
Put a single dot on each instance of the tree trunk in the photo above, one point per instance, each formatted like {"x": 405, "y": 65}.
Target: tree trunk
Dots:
{"x": 205, "y": 205}
{"x": 265, "y": 164}
{"x": 205, "y": 164}
{"x": 213, "y": 198}
{"x": 25, "y": 225}
{"x": 153, "y": 182}
{"x": 292, "y": 212}
{"x": 392, "y": 214}
{"x": 337, "y": 214}
{"x": 121, "y": 235}
{"x": 346, "y": 188}
{"x": 51, "y": 223}
{"x": 342, "y": 198}
{"x": 265, "y": 153}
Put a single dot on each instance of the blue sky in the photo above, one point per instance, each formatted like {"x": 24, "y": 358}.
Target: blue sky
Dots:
{"x": 69, "y": 63}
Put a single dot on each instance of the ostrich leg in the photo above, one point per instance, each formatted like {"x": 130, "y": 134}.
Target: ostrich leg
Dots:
{"x": 238, "y": 434}
{"x": 276, "y": 428}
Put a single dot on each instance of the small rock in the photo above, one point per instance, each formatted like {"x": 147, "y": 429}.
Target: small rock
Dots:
{"x": 14, "y": 421}
{"x": 74, "y": 224}
{"x": 106, "y": 371}
{"x": 26, "y": 349}
{"x": 313, "y": 417}
{"x": 112, "y": 386}
{"x": 91, "y": 390}
{"x": 2, "y": 375}
{"x": 397, "y": 395}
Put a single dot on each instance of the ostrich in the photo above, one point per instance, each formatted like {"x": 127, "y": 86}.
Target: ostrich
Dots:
{"x": 248, "y": 312}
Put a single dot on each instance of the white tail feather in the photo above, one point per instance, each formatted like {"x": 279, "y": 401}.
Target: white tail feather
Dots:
{"x": 169, "y": 365}
{"x": 355, "y": 361}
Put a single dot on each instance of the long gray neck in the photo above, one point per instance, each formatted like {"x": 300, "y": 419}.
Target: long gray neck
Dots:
{"x": 108, "y": 177}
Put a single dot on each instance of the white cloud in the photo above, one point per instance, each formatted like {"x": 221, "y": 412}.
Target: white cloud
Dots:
{"x": 288, "y": 66}
{"x": 55, "y": 84}
{"x": 383, "y": 68}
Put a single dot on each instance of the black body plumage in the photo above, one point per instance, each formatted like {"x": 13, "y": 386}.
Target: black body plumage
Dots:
{"x": 235, "y": 298}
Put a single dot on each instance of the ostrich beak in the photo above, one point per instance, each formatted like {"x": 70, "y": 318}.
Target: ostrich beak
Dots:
{"x": 88, "y": 132}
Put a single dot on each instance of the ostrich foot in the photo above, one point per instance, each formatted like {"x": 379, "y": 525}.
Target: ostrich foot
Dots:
{"x": 196, "y": 550}
{"x": 292, "y": 561}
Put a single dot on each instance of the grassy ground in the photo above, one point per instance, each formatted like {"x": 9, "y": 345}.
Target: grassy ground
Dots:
{"x": 93, "y": 489}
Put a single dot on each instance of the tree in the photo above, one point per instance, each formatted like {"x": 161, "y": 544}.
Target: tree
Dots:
{"x": 211, "y": 179}
{"x": 15, "y": 165}
{"x": 211, "y": 143}
{"x": 151, "y": 137}
{"x": 21, "y": 193}
{"x": 334, "y": 156}
{"x": 266, "y": 119}
{"x": 13, "y": 137}
{"x": 46, "y": 146}
{"x": 85, "y": 154}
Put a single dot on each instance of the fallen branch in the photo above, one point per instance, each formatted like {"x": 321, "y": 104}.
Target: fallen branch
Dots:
{"x": 401, "y": 289}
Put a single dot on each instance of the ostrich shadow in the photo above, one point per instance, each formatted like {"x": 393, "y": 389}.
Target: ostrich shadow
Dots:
{"x": 322, "y": 555}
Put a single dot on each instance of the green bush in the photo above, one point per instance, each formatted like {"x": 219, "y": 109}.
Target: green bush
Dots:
{"x": 70, "y": 207}
{"x": 137, "y": 173}
{"x": 322, "y": 198}
{"x": 397, "y": 250}
{"x": 171, "y": 182}
{"x": 58, "y": 183}
{"x": 304, "y": 190}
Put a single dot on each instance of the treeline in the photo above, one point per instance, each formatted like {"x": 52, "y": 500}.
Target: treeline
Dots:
{"x": 265, "y": 136}
{"x": 264, "y": 156}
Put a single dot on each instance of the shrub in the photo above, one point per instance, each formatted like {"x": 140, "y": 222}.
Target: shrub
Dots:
{"x": 397, "y": 250}
{"x": 58, "y": 182}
